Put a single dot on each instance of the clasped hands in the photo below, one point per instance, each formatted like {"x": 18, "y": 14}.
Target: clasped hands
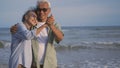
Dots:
{"x": 50, "y": 20}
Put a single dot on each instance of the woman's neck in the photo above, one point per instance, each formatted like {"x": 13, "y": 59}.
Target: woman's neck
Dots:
{"x": 27, "y": 25}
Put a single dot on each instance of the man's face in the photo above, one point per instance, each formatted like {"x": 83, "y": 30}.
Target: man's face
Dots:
{"x": 43, "y": 11}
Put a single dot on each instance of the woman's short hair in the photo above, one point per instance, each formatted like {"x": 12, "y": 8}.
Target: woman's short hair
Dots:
{"x": 26, "y": 13}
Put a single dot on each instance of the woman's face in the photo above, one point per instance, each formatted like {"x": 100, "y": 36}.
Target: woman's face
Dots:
{"x": 32, "y": 19}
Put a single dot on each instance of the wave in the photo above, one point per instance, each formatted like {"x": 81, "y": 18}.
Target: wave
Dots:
{"x": 81, "y": 45}
{"x": 90, "y": 45}
{"x": 102, "y": 42}
{"x": 85, "y": 47}
{"x": 5, "y": 44}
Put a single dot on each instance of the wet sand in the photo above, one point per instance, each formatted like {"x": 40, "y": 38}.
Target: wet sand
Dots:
{"x": 3, "y": 65}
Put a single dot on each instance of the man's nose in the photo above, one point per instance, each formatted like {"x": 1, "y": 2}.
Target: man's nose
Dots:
{"x": 41, "y": 11}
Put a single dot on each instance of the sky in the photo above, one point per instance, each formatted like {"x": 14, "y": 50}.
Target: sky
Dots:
{"x": 66, "y": 12}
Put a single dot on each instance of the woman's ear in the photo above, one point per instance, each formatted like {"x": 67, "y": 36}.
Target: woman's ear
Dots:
{"x": 26, "y": 17}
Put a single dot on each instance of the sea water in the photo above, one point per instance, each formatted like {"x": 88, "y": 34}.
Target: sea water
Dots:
{"x": 82, "y": 47}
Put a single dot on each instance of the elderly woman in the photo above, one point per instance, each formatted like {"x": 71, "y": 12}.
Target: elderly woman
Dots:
{"x": 21, "y": 51}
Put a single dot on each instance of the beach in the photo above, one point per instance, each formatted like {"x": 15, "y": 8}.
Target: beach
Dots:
{"x": 3, "y": 66}
{"x": 82, "y": 47}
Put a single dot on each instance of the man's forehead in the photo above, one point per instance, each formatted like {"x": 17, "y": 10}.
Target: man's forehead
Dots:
{"x": 41, "y": 5}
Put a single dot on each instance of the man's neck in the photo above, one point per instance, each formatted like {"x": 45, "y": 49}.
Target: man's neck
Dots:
{"x": 43, "y": 20}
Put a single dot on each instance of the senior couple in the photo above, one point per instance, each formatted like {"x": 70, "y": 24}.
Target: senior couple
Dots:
{"x": 32, "y": 40}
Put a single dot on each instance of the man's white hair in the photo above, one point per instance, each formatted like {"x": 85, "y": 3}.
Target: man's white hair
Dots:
{"x": 44, "y": 1}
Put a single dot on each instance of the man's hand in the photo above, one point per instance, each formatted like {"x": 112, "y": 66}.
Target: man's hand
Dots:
{"x": 50, "y": 20}
{"x": 13, "y": 29}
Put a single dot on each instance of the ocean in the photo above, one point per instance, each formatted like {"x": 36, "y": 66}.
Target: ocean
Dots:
{"x": 82, "y": 47}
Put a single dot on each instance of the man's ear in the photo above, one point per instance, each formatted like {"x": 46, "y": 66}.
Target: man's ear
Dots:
{"x": 49, "y": 12}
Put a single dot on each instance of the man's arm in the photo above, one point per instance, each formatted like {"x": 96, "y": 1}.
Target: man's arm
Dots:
{"x": 13, "y": 29}
{"x": 58, "y": 34}
{"x": 24, "y": 33}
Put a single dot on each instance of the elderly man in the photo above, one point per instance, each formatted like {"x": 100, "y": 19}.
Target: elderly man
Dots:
{"x": 45, "y": 55}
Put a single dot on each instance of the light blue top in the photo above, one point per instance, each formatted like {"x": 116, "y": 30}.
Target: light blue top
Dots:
{"x": 21, "y": 52}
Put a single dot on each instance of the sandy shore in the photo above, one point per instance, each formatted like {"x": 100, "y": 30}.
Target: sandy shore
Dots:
{"x": 3, "y": 66}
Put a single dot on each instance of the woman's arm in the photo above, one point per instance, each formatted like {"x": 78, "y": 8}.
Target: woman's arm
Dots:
{"x": 23, "y": 33}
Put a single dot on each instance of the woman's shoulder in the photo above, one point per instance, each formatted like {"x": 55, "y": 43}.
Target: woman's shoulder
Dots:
{"x": 20, "y": 24}
{"x": 21, "y": 27}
